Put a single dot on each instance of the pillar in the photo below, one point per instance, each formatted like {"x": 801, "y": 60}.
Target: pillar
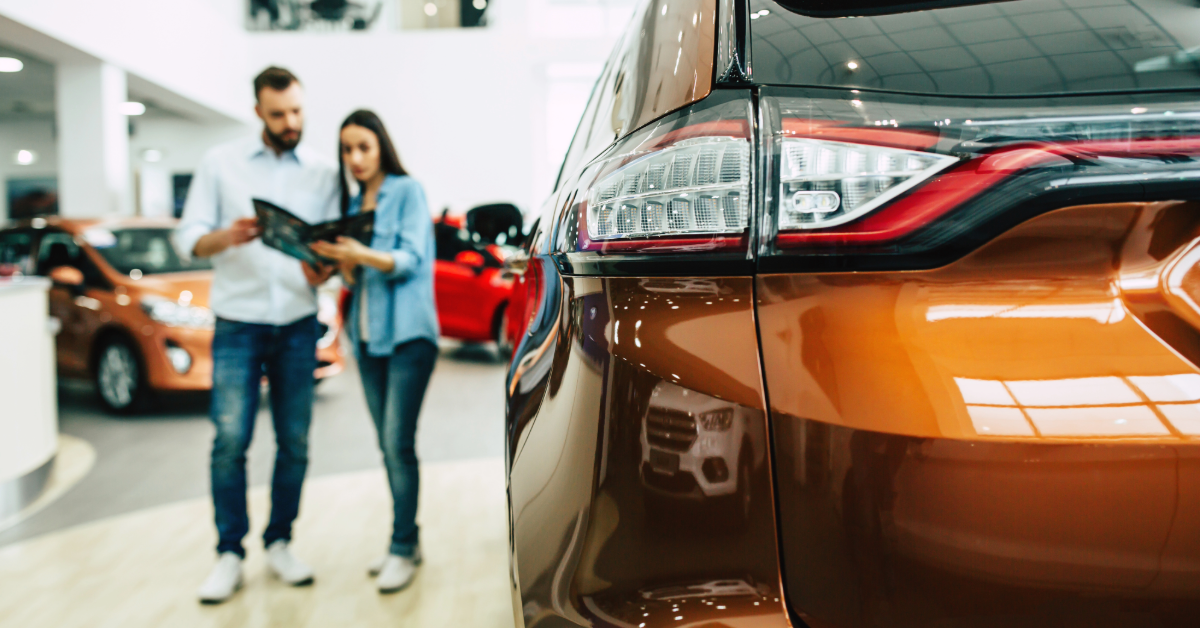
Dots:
{"x": 93, "y": 140}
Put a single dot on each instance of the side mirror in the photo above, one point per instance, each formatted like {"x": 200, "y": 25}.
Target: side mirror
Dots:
{"x": 470, "y": 259}
{"x": 67, "y": 276}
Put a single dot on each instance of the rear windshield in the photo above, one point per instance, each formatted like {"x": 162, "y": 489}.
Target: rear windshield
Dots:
{"x": 1017, "y": 48}
{"x": 146, "y": 250}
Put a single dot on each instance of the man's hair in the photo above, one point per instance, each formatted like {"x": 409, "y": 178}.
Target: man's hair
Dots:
{"x": 274, "y": 77}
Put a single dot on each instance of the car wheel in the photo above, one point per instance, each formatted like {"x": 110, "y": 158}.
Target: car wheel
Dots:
{"x": 503, "y": 344}
{"x": 119, "y": 376}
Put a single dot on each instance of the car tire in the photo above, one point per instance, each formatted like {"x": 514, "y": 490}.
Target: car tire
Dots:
{"x": 120, "y": 381}
{"x": 503, "y": 345}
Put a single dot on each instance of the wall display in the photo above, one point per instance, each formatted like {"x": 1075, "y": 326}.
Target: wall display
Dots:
{"x": 322, "y": 15}
{"x": 32, "y": 196}
{"x": 428, "y": 14}
{"x": 180, "y": 182}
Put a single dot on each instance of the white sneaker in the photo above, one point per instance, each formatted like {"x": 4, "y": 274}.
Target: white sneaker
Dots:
{"x": 397, "y": 572}
{"x": 376, "y": 565}
{"x": 223, "y": 581}
{"x": 286, "y": 566}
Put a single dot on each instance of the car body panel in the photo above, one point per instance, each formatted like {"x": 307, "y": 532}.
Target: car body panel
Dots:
{"x": 90, "y": 313}
{"x": 470, "y": 299}
{"x": 594, "y": 541}
{"x": 1002, "y": 436}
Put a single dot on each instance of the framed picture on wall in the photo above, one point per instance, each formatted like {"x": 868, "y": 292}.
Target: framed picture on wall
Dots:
{"x": 32, "y": 196}
{"x": 312, "y": 15}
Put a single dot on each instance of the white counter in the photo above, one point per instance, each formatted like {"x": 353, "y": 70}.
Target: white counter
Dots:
{"x": 28, "y": 392}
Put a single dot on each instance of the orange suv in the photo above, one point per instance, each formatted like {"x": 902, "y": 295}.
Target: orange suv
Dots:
{"x": 134, "y": 317}
{"x": 868, "y": 314}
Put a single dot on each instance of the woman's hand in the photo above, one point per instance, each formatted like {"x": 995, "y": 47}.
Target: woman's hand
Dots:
{"x": 346, "y": 251}
{"x": 318, "y": 275}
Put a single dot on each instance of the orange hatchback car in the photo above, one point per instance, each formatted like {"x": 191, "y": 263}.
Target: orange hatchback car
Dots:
{"x": 868, "y": 314}
{"x": 134, "y": 317}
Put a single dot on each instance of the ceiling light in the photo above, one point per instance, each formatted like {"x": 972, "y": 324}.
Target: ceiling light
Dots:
{"x": 479, "y": 4}
{"x": 430, "y": 9}
{"x": 1138, "y": 110}
{"x": 853, "y": 65}
{"x": 132, "y": 108}
{"x": 24, "y": 157}
{"x": 9, "y": 64}
{"x": 152, "y": 155}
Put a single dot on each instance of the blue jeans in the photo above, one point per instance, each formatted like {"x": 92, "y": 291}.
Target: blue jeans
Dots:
{"x": 242, "y": 354}
{"x": 395, "y": 387}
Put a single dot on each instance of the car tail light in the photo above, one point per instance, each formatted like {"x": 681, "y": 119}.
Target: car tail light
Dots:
{"x": 825, "y": 184}
{"x": 914, "y": 182}
{"x": 682, "y": 184}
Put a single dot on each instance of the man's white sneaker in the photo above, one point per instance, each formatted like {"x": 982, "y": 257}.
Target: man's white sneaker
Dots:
{"x": 223, "y": 581}
{"x": 376, "y": 566}
{"x": 397, "y": 573}
{"x": 286, "y": 566}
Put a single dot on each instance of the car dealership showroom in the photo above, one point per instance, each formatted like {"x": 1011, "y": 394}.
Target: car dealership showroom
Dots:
{"x": 600, "y": 313}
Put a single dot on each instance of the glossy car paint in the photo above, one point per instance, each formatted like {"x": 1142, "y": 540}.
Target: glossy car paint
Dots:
{"x": 471, "y": 300}
{"x": 91, "y": 314}
{"x": 612, "y": 523}
{"x": 1007, "y": 436}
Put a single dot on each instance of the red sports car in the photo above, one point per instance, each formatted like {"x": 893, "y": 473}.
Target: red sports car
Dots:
{"x": 472, "y": 289}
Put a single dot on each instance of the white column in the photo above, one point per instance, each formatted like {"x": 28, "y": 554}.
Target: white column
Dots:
{"x": 93, "y": 140}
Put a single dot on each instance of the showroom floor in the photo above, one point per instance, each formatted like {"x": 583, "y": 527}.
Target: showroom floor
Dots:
{"x": 130, "y": 541}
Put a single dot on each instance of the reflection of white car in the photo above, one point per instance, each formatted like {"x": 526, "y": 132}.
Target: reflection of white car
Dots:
{"x": 697, "y": 446}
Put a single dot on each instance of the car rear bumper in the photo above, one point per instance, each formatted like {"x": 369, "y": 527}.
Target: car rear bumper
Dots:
{"x": 1006, "y": 437}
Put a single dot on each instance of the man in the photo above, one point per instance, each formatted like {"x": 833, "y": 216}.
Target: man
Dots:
{"x": 265, "y": 305}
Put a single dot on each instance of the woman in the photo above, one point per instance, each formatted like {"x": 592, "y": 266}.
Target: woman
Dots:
{"x": 392, "y": 319}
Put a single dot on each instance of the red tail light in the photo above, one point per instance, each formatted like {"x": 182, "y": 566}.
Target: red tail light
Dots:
{"x": 681, "y": 185}
{"x": 884, "y": 179}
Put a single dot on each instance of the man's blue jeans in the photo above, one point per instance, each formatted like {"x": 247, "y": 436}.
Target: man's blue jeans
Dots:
{"x": 242, "y": 354}
{"x": 395, "y": 387}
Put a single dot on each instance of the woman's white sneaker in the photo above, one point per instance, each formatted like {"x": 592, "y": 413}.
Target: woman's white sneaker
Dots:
{"x": 376, "y": 565}
{"x": 223, "y": 581}
{"x": 286, "y": 566}
{"x": 396, "y": 573}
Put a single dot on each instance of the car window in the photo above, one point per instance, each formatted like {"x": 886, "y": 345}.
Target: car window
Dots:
{"x": 449, "y": 241}
{"x": 142, "y": 250}
{"x": 58, "y": 248}
{"x": 1015, "y": 48}
{"x": 16, "y": 252}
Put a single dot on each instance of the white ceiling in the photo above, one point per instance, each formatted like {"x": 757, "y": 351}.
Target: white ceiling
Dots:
{"x": 29, "y": 94}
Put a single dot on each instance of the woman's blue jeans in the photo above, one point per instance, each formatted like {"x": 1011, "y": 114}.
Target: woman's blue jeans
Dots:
{"x": 395, "y": 387}
{"x": 242, "y": 354}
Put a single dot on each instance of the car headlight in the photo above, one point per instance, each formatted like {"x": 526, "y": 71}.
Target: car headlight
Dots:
{"x": 717, "y": 420}
{"x": 176, "y": 314}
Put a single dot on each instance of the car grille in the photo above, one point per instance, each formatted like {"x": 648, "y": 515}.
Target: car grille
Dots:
{"x": 673, "y": 430}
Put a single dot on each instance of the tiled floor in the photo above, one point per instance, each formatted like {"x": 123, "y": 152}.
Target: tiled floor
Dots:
{"x": 128, "y": 544}
{"x": 142, "y": 569}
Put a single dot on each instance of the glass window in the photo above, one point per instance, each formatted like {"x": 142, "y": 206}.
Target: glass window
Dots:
{"x": 16, "y": 252}
{"x": 1017, "y": 48}
{"x": 145, "y": 250}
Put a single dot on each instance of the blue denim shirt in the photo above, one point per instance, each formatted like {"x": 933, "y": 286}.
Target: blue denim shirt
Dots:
{"x": 400, "y": 304}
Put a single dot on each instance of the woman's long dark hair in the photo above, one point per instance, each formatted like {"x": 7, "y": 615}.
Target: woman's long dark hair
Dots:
{"x": 389, "y": 161}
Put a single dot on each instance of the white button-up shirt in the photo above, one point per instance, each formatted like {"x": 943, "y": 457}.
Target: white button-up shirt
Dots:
{"x": 254, "y": 283}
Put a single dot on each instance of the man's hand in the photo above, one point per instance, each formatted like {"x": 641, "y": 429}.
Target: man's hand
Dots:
{"x": 316, "y": 276}
{"x": 242, "y": 230}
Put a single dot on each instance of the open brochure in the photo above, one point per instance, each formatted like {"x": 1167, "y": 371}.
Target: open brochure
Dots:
{"x": 282, "y": 230}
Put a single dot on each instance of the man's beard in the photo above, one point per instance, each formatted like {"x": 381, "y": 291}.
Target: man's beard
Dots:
{"x": 281, "y": 143}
